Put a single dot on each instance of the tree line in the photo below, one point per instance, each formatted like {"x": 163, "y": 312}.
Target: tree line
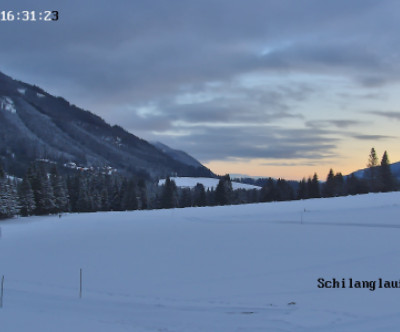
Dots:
{"x": 43, "y": 190}
{"x": 377, "y": 177}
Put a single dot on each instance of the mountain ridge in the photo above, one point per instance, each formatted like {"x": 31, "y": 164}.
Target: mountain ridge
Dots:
{"x": 34, "y": 124}
{"x": 175, "y": 154}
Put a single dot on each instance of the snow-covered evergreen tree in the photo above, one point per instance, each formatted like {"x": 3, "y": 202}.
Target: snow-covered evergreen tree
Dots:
{"x": 26, "y": 198}
{"x": 42, "y": 188}
{"x": 9, "y": 206}
{"x": 60, "y": 191}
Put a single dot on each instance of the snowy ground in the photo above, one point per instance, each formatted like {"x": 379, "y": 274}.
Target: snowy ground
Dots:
{"x": 240, "y": 268}
{"x": 208, "y": 183}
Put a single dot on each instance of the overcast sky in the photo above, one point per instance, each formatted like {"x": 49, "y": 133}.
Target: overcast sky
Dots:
{"x": 272, "y": 88}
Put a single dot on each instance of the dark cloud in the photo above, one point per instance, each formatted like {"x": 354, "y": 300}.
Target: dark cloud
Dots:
{"x": 391, "y": 115}
{"x": 270, "y": 142}
{"x": 244, "y": 106}
{"x": 358, "y": 96}
{"x": 341, "y": 124}
{"x": 373, "y": 137}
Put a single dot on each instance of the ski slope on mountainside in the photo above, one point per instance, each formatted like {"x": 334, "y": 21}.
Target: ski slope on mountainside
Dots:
{"x": 237, "y": 268}
{"x": 208, "y": 183}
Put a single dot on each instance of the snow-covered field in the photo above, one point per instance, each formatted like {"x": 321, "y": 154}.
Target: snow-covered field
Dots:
{"x": 239, "y": 268}
{"x": 208, "y": 183}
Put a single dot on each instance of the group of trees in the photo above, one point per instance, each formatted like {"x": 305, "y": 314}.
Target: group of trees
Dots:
{"x": 171, "y": 196}
{"x": 376, "y": 178}
{"x": 379, "y": 176}
{"x": 8, "y": 196}
{"x": 44, "y": 191}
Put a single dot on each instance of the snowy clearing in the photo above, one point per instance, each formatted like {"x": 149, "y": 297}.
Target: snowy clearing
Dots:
{"x": 208, "y": 183}
{"x": 7, "y": 104}
{"x": 237, "y": 268}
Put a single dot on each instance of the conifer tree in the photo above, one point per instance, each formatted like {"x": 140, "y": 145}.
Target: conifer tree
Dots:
{"x": 339, "y": 184}
{"x": 223, "y": 192}
{"x": 73, "y": 191}
{"x": 356, "y": 186}
{"x": 253, "y": 196}
{"x": 143, "y": 203}
{"x": 309, "y": 187}
{"x": 334, "y": 185}
{"x": 83, "y": 202}
{"x": 104, "y": 201}
{"x": 26, "y": 198}
{"x": 352, "y": 185}
{"x": 185, "y": 199}
{"x": 199, "y": 195}
{"x": 329, "y": 188}
{"x": 387, "y": 182}
{"x": 169, "y": 197}
{"x": 372, "y": 172}
{"x": 60, "y": 191}
{"x": 129, "y": 195}
{"x": 314, "y": 189}
{"x": 2, "y": 173}
{"x": 220, "y": 196}
{"x": 96, "y": 200}
{"x": 42, "y": 189}
{"x": 302, "y": 192}
{"x": 115, "y": 194}
{"x": 33, "y": 178}
{"x": 268, "y": 191}
{"x": 47, "y": 201}
{"x": 9, "y": 206}
{"x": 284, "y": 192}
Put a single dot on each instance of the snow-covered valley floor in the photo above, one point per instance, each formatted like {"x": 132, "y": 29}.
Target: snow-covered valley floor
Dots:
{"x": 237, "y": 268}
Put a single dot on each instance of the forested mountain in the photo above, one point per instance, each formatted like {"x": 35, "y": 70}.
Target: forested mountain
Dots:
{"x": 35, "y": 124}
{"x": 177, "y": 155}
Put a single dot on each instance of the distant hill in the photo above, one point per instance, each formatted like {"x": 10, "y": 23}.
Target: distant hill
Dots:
{"x": 35, "y": 124}
{"x": 395, "y": 168}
